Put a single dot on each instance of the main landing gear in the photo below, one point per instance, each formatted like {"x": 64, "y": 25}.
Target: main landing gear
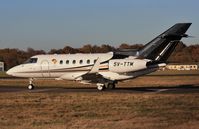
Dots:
{"x": 31, "y": 86}
{"x": 101, "y": 86}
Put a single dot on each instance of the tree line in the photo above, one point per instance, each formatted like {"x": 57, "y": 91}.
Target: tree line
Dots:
{"x": 13, "y": 57}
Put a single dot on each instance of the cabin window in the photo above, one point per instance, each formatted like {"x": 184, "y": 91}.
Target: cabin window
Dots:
{"x": 81, "y": 61}
{"x": 74, "y": 61}
{"x": 61, "y": 62}
{"x": 95, "y": 61}
{"x": 67, "y": 61}
{"x": 31, "y": 60}
{"x": 88, "y": 61}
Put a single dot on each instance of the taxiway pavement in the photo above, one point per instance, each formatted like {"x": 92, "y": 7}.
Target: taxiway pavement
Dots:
{"x": 161, "y": 89}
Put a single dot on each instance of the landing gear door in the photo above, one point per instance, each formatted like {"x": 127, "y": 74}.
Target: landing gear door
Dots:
{"x": 45, "y": 68}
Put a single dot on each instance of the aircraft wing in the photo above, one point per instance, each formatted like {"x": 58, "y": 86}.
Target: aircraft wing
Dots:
{"x": 92, "y": 76}
{"x": 95, "y": 67}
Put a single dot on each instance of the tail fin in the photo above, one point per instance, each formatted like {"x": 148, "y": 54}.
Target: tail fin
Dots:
{"x": 160, "y": 48}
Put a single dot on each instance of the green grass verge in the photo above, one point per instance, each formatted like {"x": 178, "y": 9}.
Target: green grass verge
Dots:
{"x": 176, "y": 72}
{"x": 3, "y": 75}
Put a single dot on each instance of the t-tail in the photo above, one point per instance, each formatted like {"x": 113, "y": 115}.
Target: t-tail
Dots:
{"x": 160, "y": 48}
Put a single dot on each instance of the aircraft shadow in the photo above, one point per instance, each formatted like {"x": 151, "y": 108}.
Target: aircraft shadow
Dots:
{"x": 177, "y": 88}
{"x": 158, "y": 89}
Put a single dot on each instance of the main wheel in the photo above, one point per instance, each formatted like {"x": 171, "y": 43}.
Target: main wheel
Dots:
{"x": 30, "y": 86}
{"x": 100, "y": 87}
{"x": 111, "y": 86}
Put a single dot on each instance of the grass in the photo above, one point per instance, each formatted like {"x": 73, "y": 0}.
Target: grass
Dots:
{"x": 98, "y": 110}
{"x": 3, "y": 74}
{"x": 175, "y": 72}
{"x": 101, "y": 110}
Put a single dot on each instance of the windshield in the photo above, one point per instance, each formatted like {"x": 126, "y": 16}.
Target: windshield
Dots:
{"x": 31, "y": 60}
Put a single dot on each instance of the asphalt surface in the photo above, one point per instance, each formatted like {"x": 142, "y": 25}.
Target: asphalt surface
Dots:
{"x": 163, "y": 89}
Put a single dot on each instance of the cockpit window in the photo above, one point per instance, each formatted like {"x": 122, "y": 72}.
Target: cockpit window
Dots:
{"x": 31, "y": 60}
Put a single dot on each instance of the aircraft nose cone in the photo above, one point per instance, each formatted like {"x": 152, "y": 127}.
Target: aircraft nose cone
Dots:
{"x": 10, "y": 72}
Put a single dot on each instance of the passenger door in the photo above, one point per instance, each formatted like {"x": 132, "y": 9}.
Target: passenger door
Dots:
{"x": 45, "y": 68}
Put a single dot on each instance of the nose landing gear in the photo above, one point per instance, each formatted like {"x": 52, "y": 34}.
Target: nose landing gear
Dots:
{"x": 31, "y": 86}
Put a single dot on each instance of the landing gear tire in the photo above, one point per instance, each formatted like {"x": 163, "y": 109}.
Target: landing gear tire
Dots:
{"x": 30, "y": 86}
{"x": 111, "y": 86}
{"x": 100, "y": 88}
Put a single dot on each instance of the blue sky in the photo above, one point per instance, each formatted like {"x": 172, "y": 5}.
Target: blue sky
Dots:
{"x": 46, "y": 24}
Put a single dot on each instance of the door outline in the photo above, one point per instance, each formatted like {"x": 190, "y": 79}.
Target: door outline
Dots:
{"x": 45, "y": 68}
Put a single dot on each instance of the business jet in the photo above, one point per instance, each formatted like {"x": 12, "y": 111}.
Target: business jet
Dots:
{"x": 103, "y": 69}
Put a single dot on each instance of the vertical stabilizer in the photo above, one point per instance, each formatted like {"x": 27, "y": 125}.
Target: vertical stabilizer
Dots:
{"x": 160, "y": 48}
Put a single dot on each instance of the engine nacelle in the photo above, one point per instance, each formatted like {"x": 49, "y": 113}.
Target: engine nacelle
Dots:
{"x": 126, "y": 65}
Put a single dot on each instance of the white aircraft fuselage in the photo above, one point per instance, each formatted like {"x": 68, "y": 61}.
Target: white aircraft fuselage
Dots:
{"x": 72, "y": 66}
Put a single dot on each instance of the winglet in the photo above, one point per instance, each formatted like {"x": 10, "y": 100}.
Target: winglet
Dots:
{"x": 95, "y": 67}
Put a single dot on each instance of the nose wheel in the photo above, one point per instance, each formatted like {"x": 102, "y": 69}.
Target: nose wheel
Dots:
{"x": 31, "y": 86}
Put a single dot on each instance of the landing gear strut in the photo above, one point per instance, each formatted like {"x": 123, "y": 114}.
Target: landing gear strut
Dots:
{"x": 31, "y": 86}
